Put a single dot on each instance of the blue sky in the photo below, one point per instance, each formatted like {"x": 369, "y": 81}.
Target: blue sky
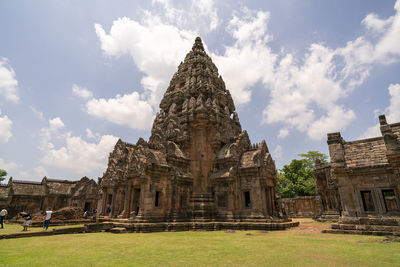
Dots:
{"x": 77, "y": 75}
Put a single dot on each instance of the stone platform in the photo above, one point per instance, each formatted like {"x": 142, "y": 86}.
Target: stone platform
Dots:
{"x": 132, "y": 227}
{"x": 366, "y": 226}
{"x": 328, "y": 217}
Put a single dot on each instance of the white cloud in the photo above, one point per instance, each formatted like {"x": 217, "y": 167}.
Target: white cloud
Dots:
{"x": 77, "y": 156}
{"x": 37, "y": 113}
{"x": 54, "y": 130}
{"x": 336, "y": 119}
{"x": 305, "y": 94}
{"x": 278, "y": 152}
{"x": 372, "y": 131}
{"x": 81, "y": 92}
{"x": 200, "y": 15}
{"x": 24, "y": 175}
{"x": 305, "y": 91}
{"x": 8, "y": 81}
{"x": 40, "y": 171}
{"x": 91, "y": 135}
{"x": 374, "y": 23}
{"x": 156, "y": 49}
{"x": 156, "y": 45}
{"x": 392, "y": 112}
{"x": 5, "y": 129}
{"x": 123, "y": 110}
{"x": 8, "y": 166}
{"x": 249, "y": 60}
{"x": 283, "y": 133}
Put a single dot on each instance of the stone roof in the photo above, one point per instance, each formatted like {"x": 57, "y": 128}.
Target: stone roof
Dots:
{"x": 60, "y": 187}
{"x": 247, "y": 160}
{"x": 28, "y": 188}
{"x": 371, "y": 151}
{"x": 366, "y": 152}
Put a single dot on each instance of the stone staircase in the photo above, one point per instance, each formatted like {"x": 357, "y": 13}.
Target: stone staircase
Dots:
{"x": 328, "y": 216}
{"x": 366, "y": 226}
{"x": 203, "y": 204}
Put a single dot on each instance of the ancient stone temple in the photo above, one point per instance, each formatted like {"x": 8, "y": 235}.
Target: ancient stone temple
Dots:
{"x": 54, "y": 194}
{"x": 198, "y": 163}
{"x": 362, "y": 182}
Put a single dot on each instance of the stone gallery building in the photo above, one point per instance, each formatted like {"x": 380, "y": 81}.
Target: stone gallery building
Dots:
{"x": 17, "y": 196}
{"x": 198, "y": 163}
{"x": 362, "y": 181}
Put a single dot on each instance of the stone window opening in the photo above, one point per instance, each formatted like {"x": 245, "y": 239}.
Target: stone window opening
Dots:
{"x": 157, "y": 201}
{"x": 247, "y": 200}
{"x": 367, "y": 200}
{"x": 389, "y": 198}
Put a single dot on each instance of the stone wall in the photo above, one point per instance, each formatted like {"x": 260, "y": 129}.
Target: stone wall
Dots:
{"x": 17, "y": 196}
{"x": 301, "y": 207}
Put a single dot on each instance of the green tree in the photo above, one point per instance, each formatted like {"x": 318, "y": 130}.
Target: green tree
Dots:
{"x": 296, "y": 179}
{"x": 311, "y": 156}
{"x": 3, "y": 173}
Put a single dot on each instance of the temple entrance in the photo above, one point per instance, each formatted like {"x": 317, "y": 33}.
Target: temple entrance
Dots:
{"x": 135, "y": 205}
{"x": 87, "y": 206}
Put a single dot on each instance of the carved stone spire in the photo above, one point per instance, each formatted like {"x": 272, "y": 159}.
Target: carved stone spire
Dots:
{"x": 198, "y": 45}
{"x": 197, "y": 92}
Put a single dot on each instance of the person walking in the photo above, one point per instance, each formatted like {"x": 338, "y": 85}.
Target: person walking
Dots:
{"x": 3, "y": 214}
{"x": 108, "y": 209}
{"x": 28, "y": 220}
{"x": 94, "y": 215}
{"x": 46, "y": 222}
{"x": 283, "y": 210}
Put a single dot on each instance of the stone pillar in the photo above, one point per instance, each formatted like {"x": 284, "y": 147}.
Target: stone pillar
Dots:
{"x": 336, "y": 149}
{"x": 127, "y": 200}
{"x": 391, "y": 142}
{"x": 114, "y": 194}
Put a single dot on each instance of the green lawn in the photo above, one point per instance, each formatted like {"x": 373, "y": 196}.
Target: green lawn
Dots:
{"x": 303, "y": 246}
{"x": 17, "y": 228}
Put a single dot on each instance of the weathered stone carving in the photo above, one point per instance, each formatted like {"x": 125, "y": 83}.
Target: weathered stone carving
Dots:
{"x": 198, "y": 164}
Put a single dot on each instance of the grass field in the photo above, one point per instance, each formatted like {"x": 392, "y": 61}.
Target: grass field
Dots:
{"x": 302, "y": 246}
{"x": 15, "y": 228}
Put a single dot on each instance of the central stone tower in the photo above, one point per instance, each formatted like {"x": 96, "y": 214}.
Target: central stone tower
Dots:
{"x": 198, "y": 164}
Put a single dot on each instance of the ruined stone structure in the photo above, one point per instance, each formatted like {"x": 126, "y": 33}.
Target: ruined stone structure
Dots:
{"x": 362, "y": 181}
{"x": 17, "y": 196}
{"x": 301, "y": 206}
{"x": 327, "y": 189}
{"x": 198, "y": 164}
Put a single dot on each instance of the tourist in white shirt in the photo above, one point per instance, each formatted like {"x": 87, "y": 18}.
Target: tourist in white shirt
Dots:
{"x": 46, "y": 222}
{"x": 3, "y": 214}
